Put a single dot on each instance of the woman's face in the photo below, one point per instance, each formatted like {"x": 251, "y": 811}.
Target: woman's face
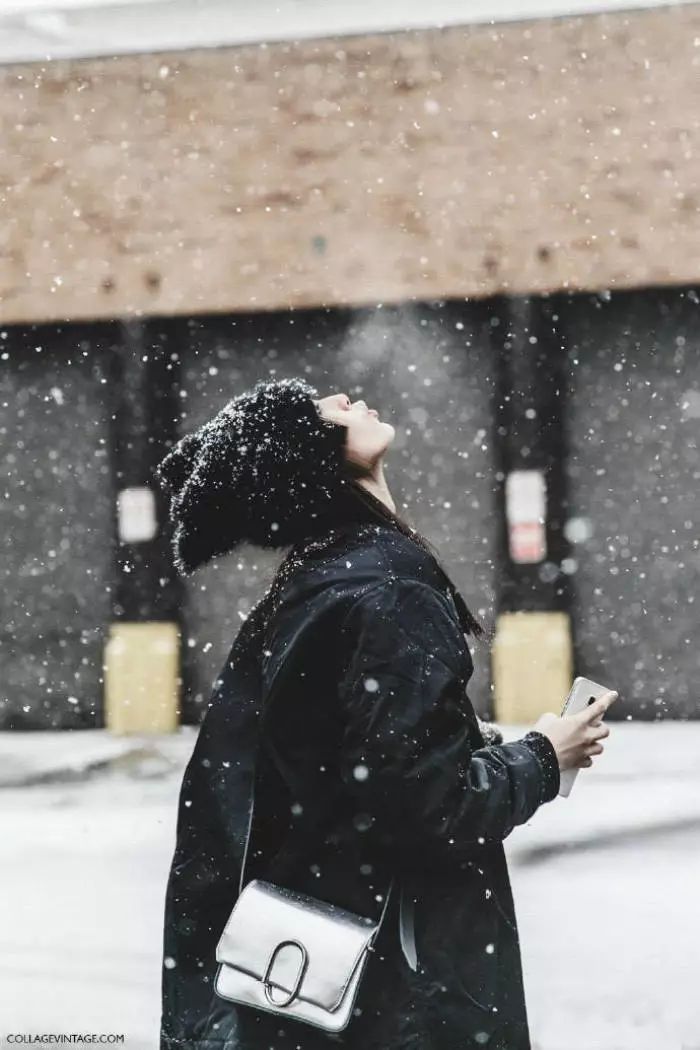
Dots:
{"x": 368, "y": 437}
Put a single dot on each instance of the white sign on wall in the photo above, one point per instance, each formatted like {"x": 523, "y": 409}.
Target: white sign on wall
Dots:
{"x": 136, "y": 515}
{"x": 526, "y": 511}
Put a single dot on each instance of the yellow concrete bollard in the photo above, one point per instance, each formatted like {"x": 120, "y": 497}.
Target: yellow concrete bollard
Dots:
{"x": 532, "y": 664}
{"x": 142, "y": 677}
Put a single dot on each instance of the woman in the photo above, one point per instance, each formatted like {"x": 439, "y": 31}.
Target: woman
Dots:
{"x": 369, "y": 763}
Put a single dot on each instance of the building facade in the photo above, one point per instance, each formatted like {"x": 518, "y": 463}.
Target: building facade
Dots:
{"x": 436, "y": 219}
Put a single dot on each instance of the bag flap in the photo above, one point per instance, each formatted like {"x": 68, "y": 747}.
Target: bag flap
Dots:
{"x": 333, "y": 941}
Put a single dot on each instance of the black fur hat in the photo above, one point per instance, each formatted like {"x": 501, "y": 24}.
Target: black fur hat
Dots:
{"x": 265, "y": 470}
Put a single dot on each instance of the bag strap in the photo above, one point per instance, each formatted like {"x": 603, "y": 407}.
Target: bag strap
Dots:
{"x": 245, "y": 859}
{"x": 244, "y": 862}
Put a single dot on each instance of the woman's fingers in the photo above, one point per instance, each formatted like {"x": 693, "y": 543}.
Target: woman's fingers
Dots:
{"x": 597, "y": 709}
{"x": 592, "y": 729}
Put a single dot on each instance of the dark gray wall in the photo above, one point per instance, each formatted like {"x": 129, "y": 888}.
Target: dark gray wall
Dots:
{"x": 634, "y": 479}
{"x": 56, "y": 521}
{"x": 634, "y": 405}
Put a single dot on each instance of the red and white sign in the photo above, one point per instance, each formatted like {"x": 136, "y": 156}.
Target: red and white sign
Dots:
{"x": 526, "y": 510}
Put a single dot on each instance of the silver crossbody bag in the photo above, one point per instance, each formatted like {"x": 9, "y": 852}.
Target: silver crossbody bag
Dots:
{"x": 295, "y": 956}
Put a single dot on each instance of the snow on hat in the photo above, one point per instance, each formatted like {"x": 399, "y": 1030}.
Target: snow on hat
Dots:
{"x": 264, "y": 470}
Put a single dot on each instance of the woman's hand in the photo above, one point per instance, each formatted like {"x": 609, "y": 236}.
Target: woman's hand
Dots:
{"x": 576, "y": 738}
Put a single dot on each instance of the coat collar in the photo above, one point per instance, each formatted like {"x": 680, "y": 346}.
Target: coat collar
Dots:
{"x": 358, "y": 555}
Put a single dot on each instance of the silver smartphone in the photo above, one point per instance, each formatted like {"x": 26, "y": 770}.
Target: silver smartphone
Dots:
{"x": 582, "y": 693}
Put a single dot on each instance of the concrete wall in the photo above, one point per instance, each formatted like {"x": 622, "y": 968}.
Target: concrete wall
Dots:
{"x": 56, "y": 524}
{"x": 633, "y": 403}
{"x": 554, "y": 154}
{"x": 634, "y": 476}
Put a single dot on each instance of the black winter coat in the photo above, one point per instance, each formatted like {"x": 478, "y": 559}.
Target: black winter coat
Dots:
{"x": 369, "y": 763}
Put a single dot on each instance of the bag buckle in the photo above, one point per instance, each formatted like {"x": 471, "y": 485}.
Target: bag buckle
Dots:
{"x": 302, "y": 970}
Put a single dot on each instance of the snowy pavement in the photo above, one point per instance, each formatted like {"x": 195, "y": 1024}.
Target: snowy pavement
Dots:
{"x": 83, "y": 876}
{"x": 48, "y": 756}
{"x": 610, "y": 946}
{"x": 646, "y": 781}
{"x": 605, "y": 890}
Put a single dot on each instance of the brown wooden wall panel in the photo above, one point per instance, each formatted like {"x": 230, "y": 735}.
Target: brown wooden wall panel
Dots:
{"x": 468, "y": 161}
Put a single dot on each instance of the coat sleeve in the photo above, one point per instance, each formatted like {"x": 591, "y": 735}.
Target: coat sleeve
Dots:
{"x": 407, "y": 760}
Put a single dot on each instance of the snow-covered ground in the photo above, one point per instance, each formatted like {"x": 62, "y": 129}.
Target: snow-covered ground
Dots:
{"x": 610, "y": 936}
{"x": 610, "y": 941}
{"x": 83, "y": 876}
